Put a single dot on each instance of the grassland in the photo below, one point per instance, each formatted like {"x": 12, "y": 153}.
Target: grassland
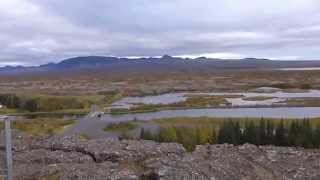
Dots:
{"x": 75, "y": 93}
{"x": 142, "y": 83}
{"x": 307, "y": 102}
{"x": 257, "y": 98}
{"x": 121, "y": 127}
{"x": 29, "y": 104}
{"x": 41, "y": 126}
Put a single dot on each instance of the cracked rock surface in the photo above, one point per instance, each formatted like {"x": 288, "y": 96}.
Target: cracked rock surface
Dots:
{"x": 71, "y": 158}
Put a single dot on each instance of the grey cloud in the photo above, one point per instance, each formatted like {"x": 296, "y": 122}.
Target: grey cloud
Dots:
{"x": 39, "y": 31}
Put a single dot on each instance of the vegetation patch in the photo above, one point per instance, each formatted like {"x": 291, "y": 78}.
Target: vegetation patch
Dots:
{"x": 40, "y": 127}
{"x": 110, "y": 96}
{"x": 292, "y": 86}
{"x": 202, "y": 101}
{"x": 307, "y": 102}
{"x": 193, "y": 131}
{"x": 258, "y": 98}
{"x": 121, "y": 127}
{"x": 17, "y": 103}
{"x": 138, "y": 109}
{"x": 84, "y": 136}
{"x": 194, "y": 101}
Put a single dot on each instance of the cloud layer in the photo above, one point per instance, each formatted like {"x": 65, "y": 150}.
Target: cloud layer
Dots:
{"x": 40, "y": 31}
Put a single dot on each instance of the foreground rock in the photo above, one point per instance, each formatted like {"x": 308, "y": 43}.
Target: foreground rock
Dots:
{"x": 72, "y": 158}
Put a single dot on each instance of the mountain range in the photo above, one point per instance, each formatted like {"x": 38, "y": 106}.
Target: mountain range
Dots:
{"x": 115, "y": 64}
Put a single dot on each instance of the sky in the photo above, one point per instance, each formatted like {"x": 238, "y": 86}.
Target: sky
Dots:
{"x": 35, "y": 32}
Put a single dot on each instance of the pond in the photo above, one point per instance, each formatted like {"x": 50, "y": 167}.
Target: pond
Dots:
{"x": 300, "y": 69}
{"x": 93, "y": 127}
{"x": 277, "y": 97}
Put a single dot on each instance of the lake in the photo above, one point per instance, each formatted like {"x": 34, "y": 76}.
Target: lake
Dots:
{"x": 276, "y": 98}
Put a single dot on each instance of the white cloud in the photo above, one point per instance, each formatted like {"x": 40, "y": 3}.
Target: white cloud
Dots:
{"x": 286, "y": 58}
{"x": 218, "y": 55}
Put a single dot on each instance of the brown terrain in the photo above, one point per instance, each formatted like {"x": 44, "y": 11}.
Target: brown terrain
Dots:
{"x": 140, "y": 83}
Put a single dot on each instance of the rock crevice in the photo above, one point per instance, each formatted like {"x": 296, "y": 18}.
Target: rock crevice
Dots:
{"x": 72, "y": 158}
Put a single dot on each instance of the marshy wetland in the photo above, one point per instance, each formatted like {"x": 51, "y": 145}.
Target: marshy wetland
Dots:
{"x": 142, "y": 102}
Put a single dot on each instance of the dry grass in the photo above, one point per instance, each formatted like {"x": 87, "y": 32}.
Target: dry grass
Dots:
{"x": 41, "y": 126}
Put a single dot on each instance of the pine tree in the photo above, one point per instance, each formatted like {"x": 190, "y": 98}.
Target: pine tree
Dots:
{"x": 262, "y": 132}
{"x": 293, "y": 133}
{"x": 280, "y": 135}
{"x": 250, "y": 133}
{"x": 270, "y": 132}
{"x": 316, "y": 137}
{"x": 307, "y": 134}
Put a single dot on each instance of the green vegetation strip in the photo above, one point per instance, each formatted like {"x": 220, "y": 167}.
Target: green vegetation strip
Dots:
{"x": 193, "y": 131}
{"x": 258, "y": 98}
{"x": 40, "y": 127}
{"x": 308, "y": 102}
{"x": 21, "y": 103}
{"x": 192, "y": 101}
{"x": 121, "y": 127}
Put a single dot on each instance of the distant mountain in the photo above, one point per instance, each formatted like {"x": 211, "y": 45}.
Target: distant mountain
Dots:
{"x": 166, "y": 62}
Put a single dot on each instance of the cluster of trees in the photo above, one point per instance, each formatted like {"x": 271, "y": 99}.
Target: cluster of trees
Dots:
{"x": 12, "y": 101}
{"x": 298, "y": 133}
{"x": 189, "y": 137}
{"x": 34, "y": 104}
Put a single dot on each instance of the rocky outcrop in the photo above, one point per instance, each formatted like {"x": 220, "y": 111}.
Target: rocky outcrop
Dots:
{"x": 73, "y": 158}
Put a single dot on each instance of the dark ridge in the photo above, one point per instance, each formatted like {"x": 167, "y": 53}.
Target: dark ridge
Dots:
{"x": 164, "y": 63}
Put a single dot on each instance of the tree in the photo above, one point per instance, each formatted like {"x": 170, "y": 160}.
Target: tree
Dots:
{"x": 280, "y": 135}
{"x": 263, "y": 132}
{"x": 31, "y": 105}
{"x": 270, "y": 132}
{"x": 250, "y": 133}
{"x": 147, "y": 135}
{"x": 293, "y": 133}
{"x": 316, "y": 137}
{"x": 307, "y": 134}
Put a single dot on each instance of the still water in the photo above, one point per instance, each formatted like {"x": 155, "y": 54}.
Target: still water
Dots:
{"x": 276, "y": 98}
{"x": 93, "y": 127}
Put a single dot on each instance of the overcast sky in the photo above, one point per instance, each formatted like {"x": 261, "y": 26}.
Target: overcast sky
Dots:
{"x": 40, "y": 31}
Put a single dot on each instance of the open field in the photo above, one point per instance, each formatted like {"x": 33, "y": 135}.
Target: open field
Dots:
{"x": 63, "y": 104}
{"x": 311, "y": 102}
{"x": 41, "y": 126}
{"x": 75, "y": 93}
{"x": 130, "y": 84}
